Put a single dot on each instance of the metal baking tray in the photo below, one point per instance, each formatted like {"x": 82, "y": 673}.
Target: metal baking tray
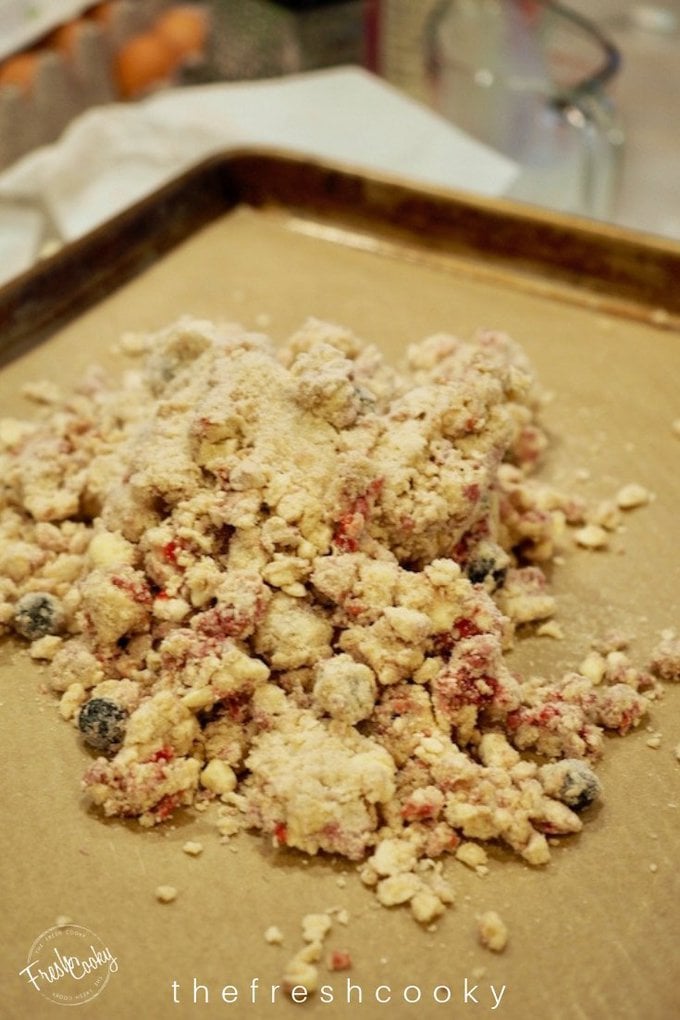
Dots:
{"x": 268, "y": 239}
{"x": 584, "y": 261}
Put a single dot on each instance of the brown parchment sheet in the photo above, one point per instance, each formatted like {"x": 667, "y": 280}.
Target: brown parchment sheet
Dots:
{"x": 595, "y": 934}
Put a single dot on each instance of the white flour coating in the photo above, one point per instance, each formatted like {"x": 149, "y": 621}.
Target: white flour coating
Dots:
{"x": 287, "y": 580}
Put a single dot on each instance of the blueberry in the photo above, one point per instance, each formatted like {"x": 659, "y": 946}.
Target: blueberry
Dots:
{"x": 479, "y": 569}
{"x": 580, "y": 786}
{"x": 102, "y": 723}
{"x": 37, "y": 614}
{"x": 499, "y": 576}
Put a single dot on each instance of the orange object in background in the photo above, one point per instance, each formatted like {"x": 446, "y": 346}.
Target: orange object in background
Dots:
{"x": 65, "y": 38}
{"x": 184, "y": 28}
{"x": 20, "y": 70}
{"x": 103, "y": 13}
{"x": 112, "y": 50}
{"x": 142, "y": 62}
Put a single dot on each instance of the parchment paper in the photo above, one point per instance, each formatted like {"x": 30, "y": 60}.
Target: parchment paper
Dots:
{"x": 594, "y": 934}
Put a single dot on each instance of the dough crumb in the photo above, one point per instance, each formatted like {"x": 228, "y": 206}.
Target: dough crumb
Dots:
{"x": 301, "y": 969}
{"x": 665, "y": 660}
{"x": 315, "y": 927}
{"x": 631, "y": 496}
{"x": 43, "y": 391}
{"x": 45, "y": 648}
{"x": 472, "y": 855}
{"x": 493, "y": 933}
{"x": 166, "y": 893}
{"x": 192, "y": 848}
{"x": 300, "y": 972}
{"x": 551, "y": 629}
{"x": 593, "y": 667}
{"x": 592, "y": 536}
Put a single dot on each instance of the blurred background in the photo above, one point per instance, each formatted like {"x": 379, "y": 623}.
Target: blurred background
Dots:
{"x": 575, "y": 102}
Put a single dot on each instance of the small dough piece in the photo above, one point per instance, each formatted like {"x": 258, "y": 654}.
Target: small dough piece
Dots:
{"x": 166, "y": 893}
{"x": 492, "y": 931}
{"x": 632, "y": 495}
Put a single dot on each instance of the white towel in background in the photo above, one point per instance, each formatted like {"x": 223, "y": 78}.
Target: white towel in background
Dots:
{"x": 111, "y": 156}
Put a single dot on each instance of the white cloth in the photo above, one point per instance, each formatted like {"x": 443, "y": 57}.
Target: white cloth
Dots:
{"x": 111, "y": 156}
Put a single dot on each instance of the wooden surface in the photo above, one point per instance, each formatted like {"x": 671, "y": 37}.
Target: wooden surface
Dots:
{"x": 594, "y": 935}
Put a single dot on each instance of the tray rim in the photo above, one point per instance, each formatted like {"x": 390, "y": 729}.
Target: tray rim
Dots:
{"x": 561, "y": 254}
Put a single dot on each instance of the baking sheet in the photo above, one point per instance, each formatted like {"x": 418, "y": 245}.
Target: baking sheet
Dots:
{"x": 595, "y": 934}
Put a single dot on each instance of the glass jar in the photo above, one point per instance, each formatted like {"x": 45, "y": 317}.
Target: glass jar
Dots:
{"x": 528, "y": 78}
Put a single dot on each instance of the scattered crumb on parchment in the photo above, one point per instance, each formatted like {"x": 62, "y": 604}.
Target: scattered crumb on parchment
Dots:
{"x": 166, "y": 893}
{"x": 273, "y": 935}
{"x": 492, "y": 931}
{"x": 192, "y": 848}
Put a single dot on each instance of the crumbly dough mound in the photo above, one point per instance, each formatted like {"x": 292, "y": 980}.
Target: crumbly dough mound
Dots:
{"x": 288, "y": 578}
{"x": 315, "y": 785}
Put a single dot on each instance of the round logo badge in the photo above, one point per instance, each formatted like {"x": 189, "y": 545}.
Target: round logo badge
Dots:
{"x": 69, "y": 965}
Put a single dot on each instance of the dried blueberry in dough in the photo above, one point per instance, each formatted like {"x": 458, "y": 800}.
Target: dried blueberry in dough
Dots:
{"x": 571, "y": 781}
{"x": 580, "y": 786}
{"x": 478, "y": 570}
{"x": 488, "y": 565}
{"x": 102, "y": 723}
{"x": 37, "y": 614}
